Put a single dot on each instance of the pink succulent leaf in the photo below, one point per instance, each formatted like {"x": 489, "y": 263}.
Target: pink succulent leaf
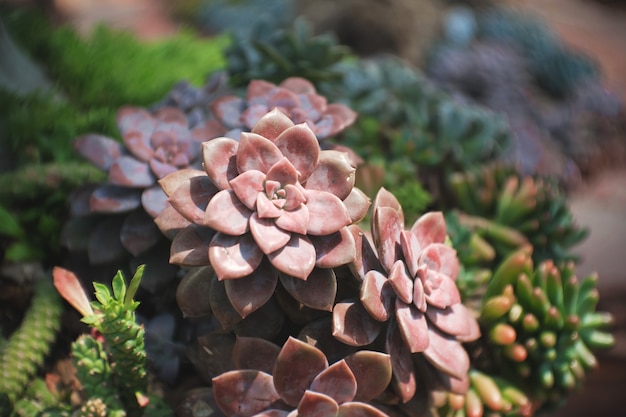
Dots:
{"x": 258, "y": 90}
{"x": 171, "y": 222}
{"x": 429, "y": 258}
{"x": 272, "y": 124}
{"x": 249, "y": 293}
{"x": 220, "y": 161}
{"x": 327, "y": 214}
{"x": 446, "y": 259}
{"x": 337, "y": 381}
{"x": 386, "y": 199}
{"x": 403, "y": 376}
{"x": 222, "y": 309}
{"x": 267, "y": 235}
{"x": 342, "y": 117}
{"x": 357, "y": 204}
{"x": 160, "y": 169}
{"x": 296, "y": 366}
{"x": 419, "y": 297}
{"x": 447, "y": 354}
{"x": 255, "y": 353}
{"x": 294, "y": 197}
{"x": 296, "y": 258}
{"x": 335, "y": 249}
{"x": 298, "y": 85}
{"x": 139, "y": 233}
{"x": 283, "y": 172}
{"x": 413, "y": 326}
{"x": 266, "y": 209}
{"x": 234, "y": 256}
{"x": 129, "y": 172}
{"x": 100, "y": 150}
{"x": 173, "y": 133}
{"x": 333, "y": 174}
{"x": 190, "y": 247}
{"x": 358, "y": 409}
{"x": 228, "y": 110}
{"x": 171, "y": 115}
{"x": 247, "y": 187}
{"x": 430, "y": 228}
{"x": 411, "y": 249}
{"x": 300, "y": 146}
{"x": 299, "y": 115}
{"x": 227, "y": 214}
{"x": 401, "y": 282}
{"x": 440, "y": 290}
{"x": 251, "y": 116}
{"x": 244, "y": 392}
{"x": 70, "y": 288}
{"x": 175, "y": 180}
{"x": 154, "y": 200}
{"x": 372, "y": 371}
{"x": 207, "y": 130}
{"x": 191, "y": 199}
{"x": 318, "y": 291}
{"x": 452, "y": 384}
{"x": 315, "y": 404}
{"x": 386, "y": 230}
{"x": 366, "y": 259}
{"x": 282, "y": 98}
{"x": 109, "y": 198}
{"x": 353, "y": 325}
{"x": 130, "y": 119}
{"x": 377, "y": 295}
{"x": 256, "y": 152}
{"x": 294, "y": 221}
{"x": 455, "y": 320}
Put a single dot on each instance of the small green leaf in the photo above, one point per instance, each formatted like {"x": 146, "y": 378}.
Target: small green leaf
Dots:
{"x": 134, "y": 285}
{"x": 9, "y": 225}
{"x": 119, "y": 287}
{"x": 92, "y": 319}
{"x": 102, "y": 293}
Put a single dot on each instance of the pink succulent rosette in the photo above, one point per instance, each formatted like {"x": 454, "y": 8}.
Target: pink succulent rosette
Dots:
{"x": 295, "y": 97}
{"x": 412, "y": 289}
{"x": 272, "y": 201}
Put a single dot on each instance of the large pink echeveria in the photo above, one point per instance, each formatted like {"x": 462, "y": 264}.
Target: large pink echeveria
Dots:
{"x": 273, "y": 194}
{"x": 415, "y": 293}
{"x": 296, "y": 97}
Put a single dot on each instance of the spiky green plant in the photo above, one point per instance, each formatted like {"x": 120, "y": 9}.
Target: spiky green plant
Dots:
{"x": 542, "y": 327}
{"x": 24, "y": 352}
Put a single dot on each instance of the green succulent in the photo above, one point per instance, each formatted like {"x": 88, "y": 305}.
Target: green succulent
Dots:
{"x": 541, "y": 326}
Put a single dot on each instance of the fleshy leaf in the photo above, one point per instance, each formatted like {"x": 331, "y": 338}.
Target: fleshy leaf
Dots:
{"x": 113, "y": 199}
{"x": 228, "y": 109}
{"x": 244, "y": 392}
{"x": 299, "y": 144}
{"x": 448, "y": 262}
{"x": 318, "y": 291}
{"x": 455, "y": 320}
{"x": 430, "y": 228}
{"x": 295, "y": 221}
{"x": 192, "y": 293}
{"x": 267, "y": 235}
{"x": 272, "y": 124}
{"x": 353, "y": 325}
{"x": 357, "y": 204}
{"x": 139, "y": 233}
{"x": 372, "y": 371}
{"x": 366, "y": 259}
{"x": 447, "y": 354}
{"x": 333, "y": 174}
{"x": 104, "y": 245}
{"x": 341, "y": 116}
{"x": 327, "y": 214}
{"x": 190, "y": 246}
{"x": 100, "y": 150}
{"x": 386, "y": 228}
{"x": 283, "y": 172}
{"x": 234, "y": 256}
{"x": 314, "y": 404}
{"x": 154, "y": 200}
{"x": 296, "y": 258}
{"x": 219, "y": 157}
{"x": 191, "y": 200}
{"x": 170, "y": 222}
{"x": 70, "y": 288}
{"x": 337, "y": 381}
{"x": 247, "y": 186}
{"x": 413, "y": 326}
{"x": 255, "y": 353}
{"x": 403, "y": 376}
{"x": 249, "y": 293}
{"x": 129, "y": 172}
{"x": 377, "y": 296}
{"x": 401, "y": 283}
{"x": 256, "y": 152}
{"x": 171, "y": 182}
{"x": 357, "y": 409}
{"x": 222, "y": 309}
{"x": 296, "y": 366}
{"x": 335, "y": 249}
{"x": 440, "y": 290}
{"x": 227, "y": 214}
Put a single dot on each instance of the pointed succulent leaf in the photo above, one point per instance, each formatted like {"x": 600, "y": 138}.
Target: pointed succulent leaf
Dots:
{"x": 109, "y": 198}
{"x": 136, "y": 126}
{"x": 190, "y": 246}
{"x": 266, "y": 209}
{"x": 171, "y": 182}
{"x": 170, "y": 222}
{"x": 255, "y": 353}
{"x": 401, "y": 282}
{"x": 447, "y": 354}
{"x": 295, "y": 221}
{"x": 298, "y": 85}
{"x": 300, "y": 146}
{"x": 413, "y": 326}
{"x": 411, "y": 249}
{"x": 358, "y": 409}
{"x": 256, "y": 152}
{"x": 267, "y": 235}
{"x": 282, "y": 98}
{"x": 372, "y": 371}
{"x": 251, "y": 116}
{"x": 318, "y": 291}
{"x": 154, "y": 200}
{"x": 296, "y": 366}
{"x": 337, "y": 381}
{"x": 335, "y": 249}
{"x": 191, "y": 200}
{"x": 220, "y": 161}
{"x": 244, "y": 392}
{"x": 430, "y": 228}
{"x": 327, "y": 214}
{"x": 366, "y": 259}
{"x": 440, "y": 290}
{"x": 227, "y": 214}
{"x": 357, "y": 204}
{"x": 247, "y": 187}
{"x": 221, "y": 307}
{"x": 315, "y": 404}
{"x": 353, "y": 325}
{"x": 377, "y": 296}
{"x": 283, "y": 172}
{"x": 101, "y": 151}
{"x": 272, "y": 124}
{"x": 333, "y": 174}
{"x": 70, "y": 288}
{"x": 228, "y": 110}
{"x": 192, "y": 293}
{"x": 249, "y": 293}
{"x": 448, "y": 261}
{"x": 234, "y": 256}
{"x": 296, "y": 258}
{"x": 139, "y": 233}
{"x": 403, "y": 376}
{"x": 386, "y": 229}
{"x": 258, "y": 90}
{"x": 455, "y": 320}
{"x": 342, "y": 117}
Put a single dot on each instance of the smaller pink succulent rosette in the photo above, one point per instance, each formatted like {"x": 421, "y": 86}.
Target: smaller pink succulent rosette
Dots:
{"x": 271, "y": 195}
{"x": 415, "y": 292}
{"x": 295, "y": 97}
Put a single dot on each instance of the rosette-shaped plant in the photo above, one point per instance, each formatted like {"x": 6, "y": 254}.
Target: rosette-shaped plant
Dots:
{"x": 271, "y": 195}
{"x": 295, "y": 96}
{"x": 272, "y": 381}
{"x": 414, "y": 292}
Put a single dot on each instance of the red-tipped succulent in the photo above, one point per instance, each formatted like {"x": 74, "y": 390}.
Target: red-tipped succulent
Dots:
{"x": 297, "y": 380}
{"x": 295, "y": 97}
{"x": 414, "y": 292}
{"x": 273, "y": 195}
